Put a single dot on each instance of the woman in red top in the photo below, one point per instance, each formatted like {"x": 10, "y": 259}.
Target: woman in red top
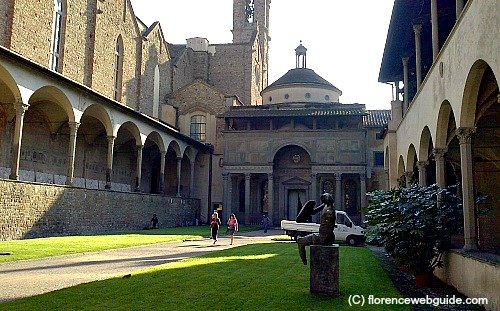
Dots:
{"x": 232, "y": 226}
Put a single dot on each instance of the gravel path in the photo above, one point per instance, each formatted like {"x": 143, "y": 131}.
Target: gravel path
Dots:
{"x": 33, "y": 277}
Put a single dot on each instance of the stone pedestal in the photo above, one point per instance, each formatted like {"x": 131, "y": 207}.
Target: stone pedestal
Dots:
{"x": 324, "y": 278}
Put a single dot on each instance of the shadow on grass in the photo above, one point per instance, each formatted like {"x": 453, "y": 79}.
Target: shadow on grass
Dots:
{"x": 252, "y": 277}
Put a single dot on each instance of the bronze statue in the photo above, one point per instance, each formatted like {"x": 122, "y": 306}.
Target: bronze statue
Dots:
{"x": 326, "y": 225}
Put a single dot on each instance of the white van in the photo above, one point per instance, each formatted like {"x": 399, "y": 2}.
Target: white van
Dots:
{"x": 345, "y": 230}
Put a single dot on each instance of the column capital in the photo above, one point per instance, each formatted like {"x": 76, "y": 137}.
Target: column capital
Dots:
{"x": 20, "y": 107}
{"x": 338, "y": 176}
{"x": 73, "y": 125}
{"x": 362, "y": 176}
{"x": 422, "y": 164}
{"x": 417, "y": 28}
{"x": 405, "y": 60}
{"x": 270, "y": 176}
{"x": 247, "y": 175}
{"x": 111, "y": 138}
{"x": 439, "y": 152}
{"x": 464, "y": 134}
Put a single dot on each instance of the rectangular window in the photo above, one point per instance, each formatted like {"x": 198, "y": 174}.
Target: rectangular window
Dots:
{"x": 378, "y": 158}
{"x": 198, "y": 127}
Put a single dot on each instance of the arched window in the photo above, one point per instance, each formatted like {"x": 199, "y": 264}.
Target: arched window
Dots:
{"x": 118, "y": 69}
{"x": 57, "y": 27}
{"x": 156, "y": 92}
{"x": 198, "y": 127}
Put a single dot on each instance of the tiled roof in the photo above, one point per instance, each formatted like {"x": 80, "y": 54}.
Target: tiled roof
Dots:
{"x": 377, "y": 118}
{"x": 280, "y": 111}
{"x": 301, "y": 76}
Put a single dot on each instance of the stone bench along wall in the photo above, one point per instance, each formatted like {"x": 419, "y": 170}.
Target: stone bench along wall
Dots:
{"x": 29, "y": 210}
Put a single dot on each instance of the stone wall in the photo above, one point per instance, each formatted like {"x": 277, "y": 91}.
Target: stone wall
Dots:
{"x": 32, "y": 210}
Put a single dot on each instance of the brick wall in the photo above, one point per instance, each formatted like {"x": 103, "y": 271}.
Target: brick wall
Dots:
{"x": 32, "y": 210}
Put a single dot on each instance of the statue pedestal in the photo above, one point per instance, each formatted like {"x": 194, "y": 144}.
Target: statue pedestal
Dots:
{"x": 324, "y": 277}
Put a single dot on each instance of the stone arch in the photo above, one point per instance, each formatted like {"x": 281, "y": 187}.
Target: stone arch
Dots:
{"x": 49, "y": 95}
{"x": 401, "y": 167}
{"x": 100, "y": 113}
{"x": 444, "y": 115}
{"x": 471, "y": 91}
{"x": 171, "y": 173}
{"x": 425, "y": 144}
{"x": 9, "y": 91}
{"x": 132, "y": 128}
{"x": 273, "y": 153}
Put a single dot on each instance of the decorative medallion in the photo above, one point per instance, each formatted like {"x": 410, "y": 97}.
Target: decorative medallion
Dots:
{"x": 296, "y": 158}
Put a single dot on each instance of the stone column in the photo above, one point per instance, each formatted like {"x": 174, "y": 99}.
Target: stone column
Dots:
{"x": 20, "y": 108}
{"x": 338, "y": 191}
{"x": 362, "y": 180}
{"x": 247, "y": 197}
{"x": 465, "y": 138}
{"x": 422, "y": 172}
{"x": 163, "y": 155}
{"x": 408, "y": 178}
{"x": 226, "y": 190}
{"x": 418, "y": 55}
{"x": 270, "y": 197}
{"x": 435, "y": 30}
{"x": 405, "y": 82}
{"x": 191, "y": 180}
{"x": 73, "y": 129}
{"x": 109, "y": 168}
{"x": 179, "y": 171}
{"x": 138, "y": 168}
{"x": 440, "y": 166}
{"x": 314, "y": 194}
{"x": 459, "y": 6}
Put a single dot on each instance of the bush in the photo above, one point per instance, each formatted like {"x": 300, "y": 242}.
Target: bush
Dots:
{"x": 415, "y": 224}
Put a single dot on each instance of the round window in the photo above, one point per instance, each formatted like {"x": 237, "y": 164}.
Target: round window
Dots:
{"x": 287, "y": 96}
{"x": 308, "y": 95}
{"x": 327, "y": 97}
{"x": 270, "y": 99}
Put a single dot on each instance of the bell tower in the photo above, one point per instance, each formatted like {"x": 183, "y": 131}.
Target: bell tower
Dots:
{"x": 251, "y": 20}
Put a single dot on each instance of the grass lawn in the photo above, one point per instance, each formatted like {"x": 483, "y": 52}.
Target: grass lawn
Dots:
{"x": 252, "y": 277}
{"x": 54, "y": 246}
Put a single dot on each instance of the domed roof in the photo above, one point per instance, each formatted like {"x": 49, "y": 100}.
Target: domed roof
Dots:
{"x": 301, "y": 76}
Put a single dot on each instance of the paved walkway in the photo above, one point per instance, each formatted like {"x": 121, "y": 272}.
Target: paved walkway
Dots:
{"x": 33, "y": 277}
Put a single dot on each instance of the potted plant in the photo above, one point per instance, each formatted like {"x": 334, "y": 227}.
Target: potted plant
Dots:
{"x": 415, "y": 225}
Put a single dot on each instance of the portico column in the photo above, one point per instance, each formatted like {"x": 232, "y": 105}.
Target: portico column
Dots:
{"x": 465, "y": 139}
{"x": 435, "y": 30}
{"x": 270, "y": 197}
{"x": 179, "y": 166}
{"x": 405, "y": 82}
{"x": 20, "y": 108}
{"x": 109, "y": 168}
{"x": 408, "y": 178}
{"x": 422, "y": 172}
{"x": 138, "y": 168}
{"x": 73, "y": 129}
{"x": 247, "y": 197}
{"x": 225, "y": 197}
{"x": 314, "y": 193}
{"x": 440, "y": 166}
{"x": 418, "y": 59}
{"x": 191, "y": 180}
{"x": 338, "y": 191}
{"x": 459, "y": 6}
{"x": 314, "y": 186}
{"x": 362, "y": 180}
{"x": 163, "y": 155}
{"x": 387, "y": 180}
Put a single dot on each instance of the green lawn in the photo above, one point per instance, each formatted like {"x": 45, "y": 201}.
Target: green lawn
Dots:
{"x": 252, "y": 277}
{"x": 54, "y": 246}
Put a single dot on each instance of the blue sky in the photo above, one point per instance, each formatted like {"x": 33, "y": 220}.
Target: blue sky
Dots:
{"x": 345, "y": 38}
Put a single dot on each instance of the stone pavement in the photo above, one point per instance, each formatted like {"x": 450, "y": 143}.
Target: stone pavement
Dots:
{"x": 33, "y": 277}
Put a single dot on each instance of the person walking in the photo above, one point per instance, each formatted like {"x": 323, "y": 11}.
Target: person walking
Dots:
{"x": 214, "y": 226}
{"x": 232, "y": 226}
{"x": 265, "y": 222}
